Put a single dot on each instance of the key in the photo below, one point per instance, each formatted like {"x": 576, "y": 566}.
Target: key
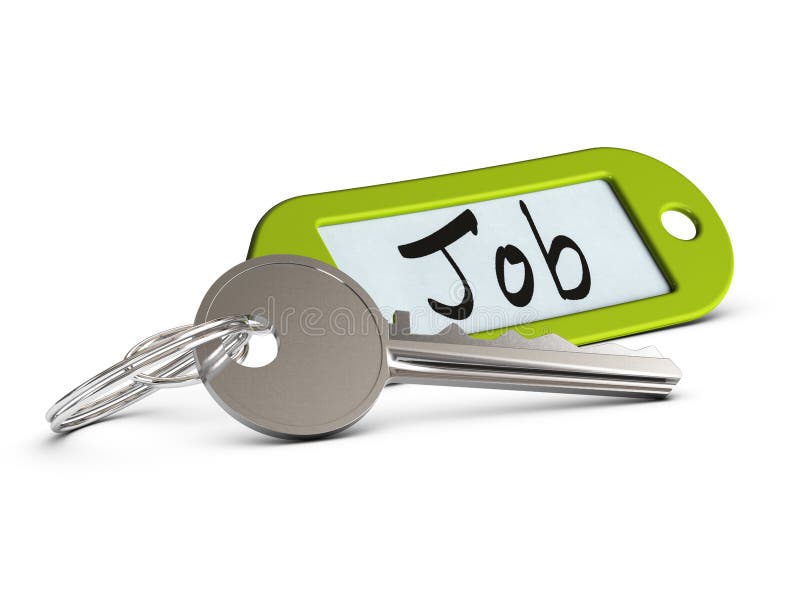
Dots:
{"x": 336, "y": 353}
{"x": 547, "y": 364}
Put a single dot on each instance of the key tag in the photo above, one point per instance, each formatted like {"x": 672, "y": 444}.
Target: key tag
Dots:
{"x": 508, "y": 254}
{"x": 573, "y": 244}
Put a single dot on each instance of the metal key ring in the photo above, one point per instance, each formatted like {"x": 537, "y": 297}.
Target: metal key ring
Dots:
{"x": 170, "y": 351}
{"x": 236, "y": 349}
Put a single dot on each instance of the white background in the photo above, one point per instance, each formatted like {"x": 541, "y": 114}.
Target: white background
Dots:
{"x": 139, "y": 145}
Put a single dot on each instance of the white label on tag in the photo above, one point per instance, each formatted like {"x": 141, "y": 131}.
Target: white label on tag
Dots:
{"x": 502, "y": 262}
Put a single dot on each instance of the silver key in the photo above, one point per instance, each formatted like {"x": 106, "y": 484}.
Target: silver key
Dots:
{"x": 336, "y": 353}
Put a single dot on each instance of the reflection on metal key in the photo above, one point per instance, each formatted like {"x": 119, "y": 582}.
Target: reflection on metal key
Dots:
{"x": 336, "y": 352}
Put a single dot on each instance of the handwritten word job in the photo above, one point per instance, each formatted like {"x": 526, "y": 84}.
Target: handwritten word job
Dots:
{"x": 465, "y": 223}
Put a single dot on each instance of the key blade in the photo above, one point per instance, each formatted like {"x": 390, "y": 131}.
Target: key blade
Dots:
{"x": 547, "y": 363}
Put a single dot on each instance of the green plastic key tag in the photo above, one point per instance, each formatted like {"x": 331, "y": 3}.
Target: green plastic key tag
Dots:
{"x": 571, "y": 244}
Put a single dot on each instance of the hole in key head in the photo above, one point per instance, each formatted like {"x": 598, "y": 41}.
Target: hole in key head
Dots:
{"x": 679, "y": 224}
{"x": 262, "y": 348}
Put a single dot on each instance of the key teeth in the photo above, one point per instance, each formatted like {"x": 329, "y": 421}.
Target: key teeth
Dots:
{"x": 453, "y": 332}
{"x": 647, "y": 351}
{"x": 551, "y": 341}
{"x": 511, "y": 339}
{"x": 652, "y": 351}
{"x": 401, "y": 328}
{"x": 614, "y": 348}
